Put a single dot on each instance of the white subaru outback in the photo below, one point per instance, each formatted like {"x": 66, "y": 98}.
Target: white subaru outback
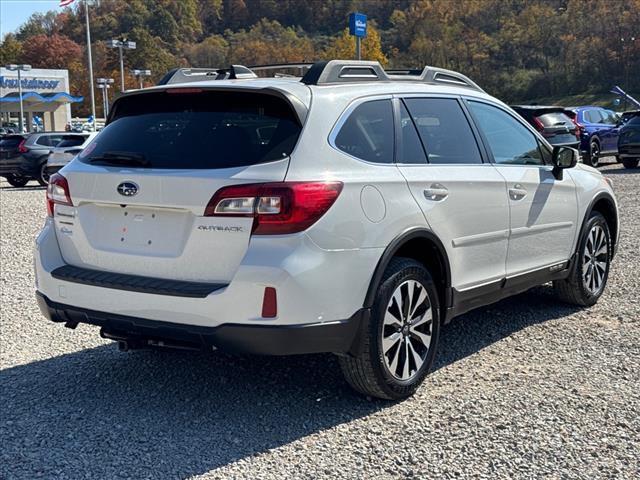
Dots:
{"x": 353, "y": 210}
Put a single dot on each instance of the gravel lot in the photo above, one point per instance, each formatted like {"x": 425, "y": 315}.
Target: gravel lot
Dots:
{"x": 527, "y": 388}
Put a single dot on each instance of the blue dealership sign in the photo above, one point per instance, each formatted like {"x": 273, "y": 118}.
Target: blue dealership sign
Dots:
{"x": 358, "y": 24}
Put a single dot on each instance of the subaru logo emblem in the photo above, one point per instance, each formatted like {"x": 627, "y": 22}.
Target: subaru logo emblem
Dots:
{"x": 127, "y": 189}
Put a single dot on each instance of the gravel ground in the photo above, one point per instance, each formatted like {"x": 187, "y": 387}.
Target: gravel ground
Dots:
{"x": 527, "y": 388}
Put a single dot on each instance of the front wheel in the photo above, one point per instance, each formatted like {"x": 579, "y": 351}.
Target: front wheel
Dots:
{"x": 17, "y": 181}
{"x": 630, "y": 162}
{"x": 398, "y": 343}
{"x": 590, "y": 271}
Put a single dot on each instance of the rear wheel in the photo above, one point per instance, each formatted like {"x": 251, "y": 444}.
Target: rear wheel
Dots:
{"x": 43, "y": 175}
{"x": 630, "y": 162}
{"x": 593, "y": 157}
{"x": 17, "y": 180}
{"x": 398, "y": 343}
{"x": 591, "y": 267}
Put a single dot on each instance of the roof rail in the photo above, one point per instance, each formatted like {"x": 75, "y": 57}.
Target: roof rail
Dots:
{"x": 186, "y": 75}
{"x": 349, "y": 71}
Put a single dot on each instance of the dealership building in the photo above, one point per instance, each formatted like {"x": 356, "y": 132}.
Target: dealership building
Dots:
{"x": 46, "y": 98}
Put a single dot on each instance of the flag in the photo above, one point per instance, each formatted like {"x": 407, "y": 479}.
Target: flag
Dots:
{"x": 64, "y": 3}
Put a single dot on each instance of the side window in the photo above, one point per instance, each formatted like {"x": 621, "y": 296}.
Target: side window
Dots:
{"x": 43, "y": 141}
{"x": 410, "y": 151}
{"x": 444, "y": 130}
{"x": 368, "y": 132}
{"x": 509, "y": 140}
{"x": 593, "y": 116}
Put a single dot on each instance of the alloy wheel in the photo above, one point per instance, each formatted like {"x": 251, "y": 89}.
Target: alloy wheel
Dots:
{"x": 407, "y": 330}
{"x": 595, "y": 153}
{"x": 595, "y": 259}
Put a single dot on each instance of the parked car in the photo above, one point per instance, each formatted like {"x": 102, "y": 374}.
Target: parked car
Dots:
{"x": 350, "y": 211}
{"x": 552, "y": 122}
{"x": 66, "y": 150}
{"x": 629, "y": 142}
{"x": 626, "y": 116}
{"x": 28, "y": 161}
{"x": 599, "y": 129}
{"x": 10, "y": 159}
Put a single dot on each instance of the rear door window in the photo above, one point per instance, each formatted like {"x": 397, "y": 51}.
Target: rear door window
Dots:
{"x": 196, "y": 130}
{"x": 49, "y": 140}
{"x": 444, "y": 130}
{"x": 367, "y": 133}
{"x": 71, "y": 141}
{"x": 593, "y": 116}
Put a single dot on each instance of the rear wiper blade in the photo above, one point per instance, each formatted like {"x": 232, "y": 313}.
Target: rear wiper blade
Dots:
{"x": 120, "y": 158}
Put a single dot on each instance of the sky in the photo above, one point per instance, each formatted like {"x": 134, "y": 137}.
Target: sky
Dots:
{"x": 14, "y": 13}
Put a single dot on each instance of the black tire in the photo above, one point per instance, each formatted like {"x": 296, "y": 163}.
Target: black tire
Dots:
{"x": 17, "y": 181}
{"x": 618, "y": 159}
{"x": 369, "y": 372}
{"x": 593, "y": 156}
{"x": 630, "y": 162}
{"x": 43, "y": 175}
{"x": 576, "y": 289}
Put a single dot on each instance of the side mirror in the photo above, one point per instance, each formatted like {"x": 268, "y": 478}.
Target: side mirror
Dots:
{"x": 563, "y": 157}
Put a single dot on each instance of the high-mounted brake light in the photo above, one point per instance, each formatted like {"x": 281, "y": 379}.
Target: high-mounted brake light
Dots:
{"x": 58, "y": 192}
{"x": 277, "y": 208}
{"x": 177, "y": 91}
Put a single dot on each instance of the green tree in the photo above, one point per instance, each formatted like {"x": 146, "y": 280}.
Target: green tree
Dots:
{"x": 343, "y": 47}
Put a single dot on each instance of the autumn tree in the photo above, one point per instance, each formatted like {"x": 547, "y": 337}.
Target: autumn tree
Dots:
{"x": 344, "y": 47}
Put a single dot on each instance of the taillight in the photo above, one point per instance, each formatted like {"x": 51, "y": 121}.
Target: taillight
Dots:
{"x": 579, "y": 127}
{"x": 57, "y": 192}
{"x": 21, "y": 147}
{"x": 277, "y": 208}
{"x": 538, "y": 124}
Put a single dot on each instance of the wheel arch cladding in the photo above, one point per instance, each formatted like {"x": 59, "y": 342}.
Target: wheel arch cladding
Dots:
{"x": 604, "y": 204}
{"x": 425, "y": 247}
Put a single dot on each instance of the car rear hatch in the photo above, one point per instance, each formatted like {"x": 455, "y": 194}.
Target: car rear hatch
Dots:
{"x": 556, "y": 126}
{"x": 140, "y": 189}
{"x": 9, "y": 150}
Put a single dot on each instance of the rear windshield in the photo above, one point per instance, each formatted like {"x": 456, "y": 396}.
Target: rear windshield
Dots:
{"x": 555, "y": 118}
{"x": 10, "y": 142}
{"x": 196, "y": 130}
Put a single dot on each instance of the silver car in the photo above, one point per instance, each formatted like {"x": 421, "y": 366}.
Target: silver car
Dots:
{"x": 68, "y": 148}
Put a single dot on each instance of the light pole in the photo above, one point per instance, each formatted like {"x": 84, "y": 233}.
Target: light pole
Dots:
{"x": 104, "y": 84}
{"x": 140, "y": 74}
{"x": 20, "y": 68}
{"x": 123, "y": 44}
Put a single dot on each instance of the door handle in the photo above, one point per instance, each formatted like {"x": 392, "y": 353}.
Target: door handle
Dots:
{"x": 436, "y": 192}
{"x": 517, "y": 192}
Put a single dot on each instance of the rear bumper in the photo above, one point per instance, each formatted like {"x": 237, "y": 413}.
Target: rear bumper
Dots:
{"x": 337, "y": 336}
{"x": 629, "y": 150}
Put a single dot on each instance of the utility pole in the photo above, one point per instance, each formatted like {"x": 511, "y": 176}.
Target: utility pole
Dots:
{"x": 121, "y": 45}
{"x": 20, "y": 68}
{"x": 92, "y": 90}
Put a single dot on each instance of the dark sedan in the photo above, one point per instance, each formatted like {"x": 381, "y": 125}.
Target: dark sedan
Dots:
{"x": 10, "y": 159}
{"x": 552, "y": 122}
{"x": 629, "y": 142}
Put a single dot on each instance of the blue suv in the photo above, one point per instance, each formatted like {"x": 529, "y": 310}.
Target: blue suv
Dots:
{"x": 599, "y": 130}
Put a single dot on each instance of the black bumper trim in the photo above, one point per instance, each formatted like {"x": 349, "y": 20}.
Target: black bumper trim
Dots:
{"x": 331, "y": 337}
{"x": 135, "y": 283}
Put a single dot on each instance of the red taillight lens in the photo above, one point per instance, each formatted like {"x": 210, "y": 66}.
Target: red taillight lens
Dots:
{"x": 21, "y": 147}
{"x": 57, "y": 192}
{"x": 269, "y": 303}
{"x": 538, "y": 124}
{"x": 277, "y": 208}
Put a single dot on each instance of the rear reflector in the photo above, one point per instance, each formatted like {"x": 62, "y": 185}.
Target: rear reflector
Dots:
{"x": 269, "y": 303}
{"x": 57, "y": 192}
{"x": 277, "y": 208}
